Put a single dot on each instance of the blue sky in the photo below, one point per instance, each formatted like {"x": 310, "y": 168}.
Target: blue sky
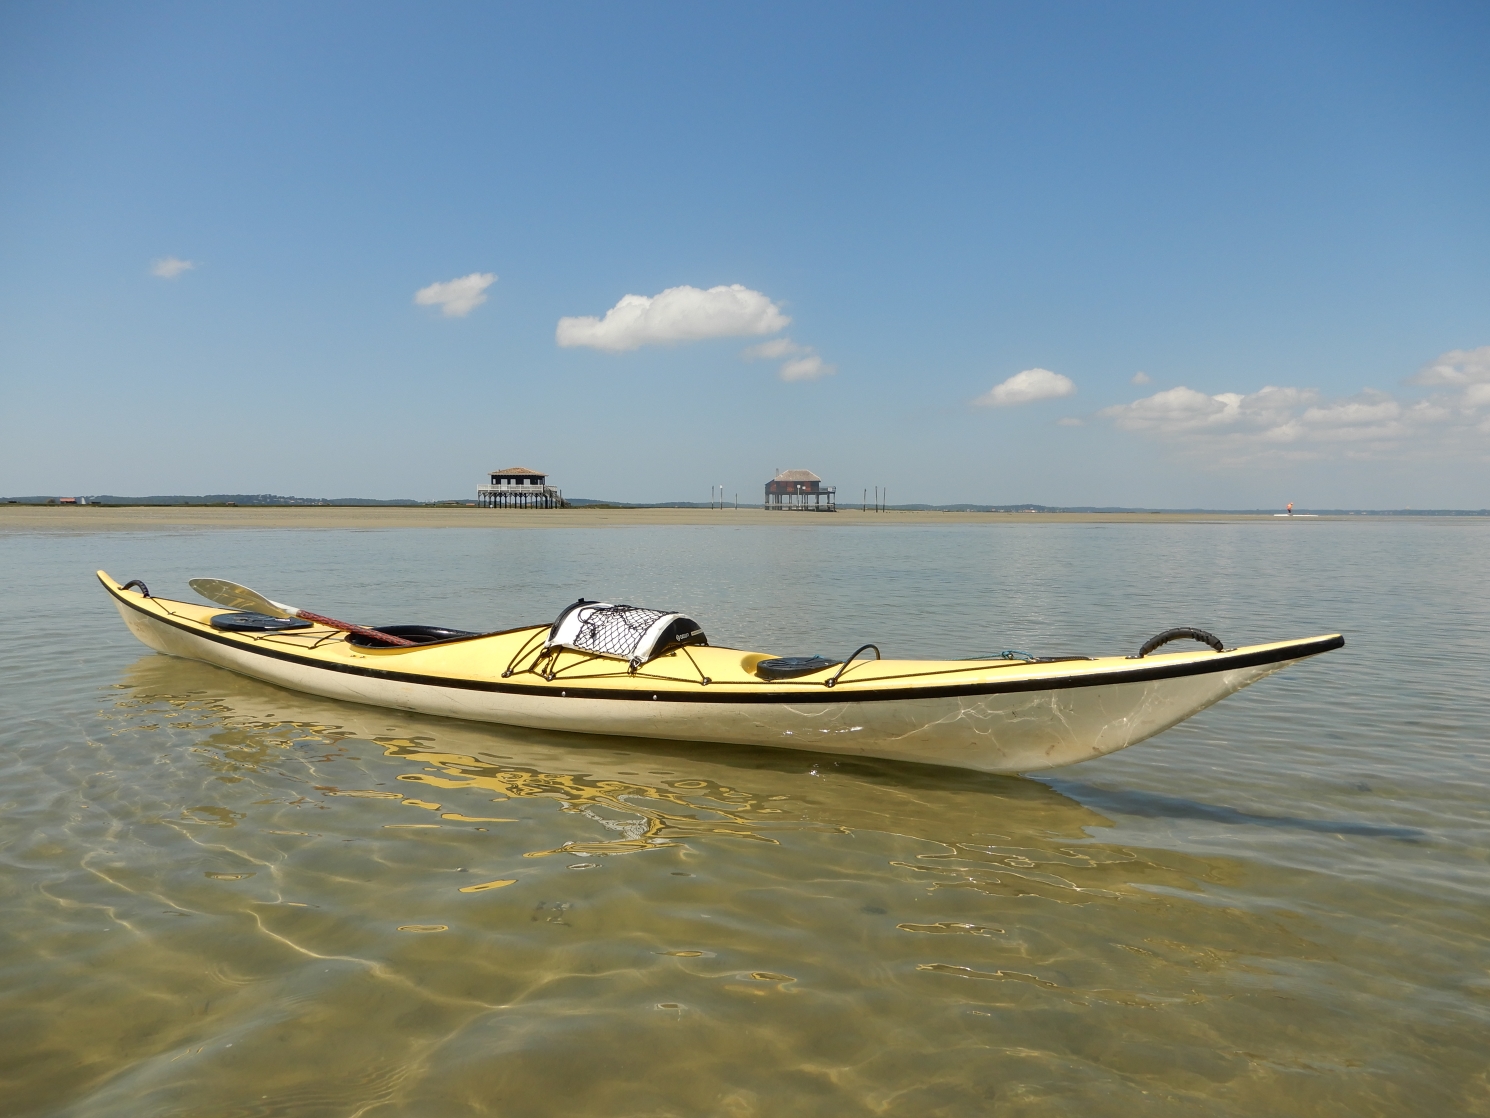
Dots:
{"x": 939, "y": 198}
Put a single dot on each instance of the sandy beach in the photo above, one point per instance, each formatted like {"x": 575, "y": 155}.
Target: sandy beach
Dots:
{"x": 95, "y": 518}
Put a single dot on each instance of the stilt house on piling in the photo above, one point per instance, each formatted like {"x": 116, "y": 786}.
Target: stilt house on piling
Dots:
{"x": 518, "y": 487}
{"x": 800, "y": 491}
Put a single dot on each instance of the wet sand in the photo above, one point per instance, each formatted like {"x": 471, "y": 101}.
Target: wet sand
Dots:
{"x": 94, "y": 518}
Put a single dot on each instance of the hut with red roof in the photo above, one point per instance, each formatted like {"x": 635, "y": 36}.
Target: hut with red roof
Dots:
{"x": 800, "y": 491}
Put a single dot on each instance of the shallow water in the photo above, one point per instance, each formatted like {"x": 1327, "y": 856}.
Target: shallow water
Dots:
{"x": 226, "y": 899}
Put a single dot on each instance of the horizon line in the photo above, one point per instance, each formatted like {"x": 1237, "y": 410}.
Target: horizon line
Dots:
{"x": 263, "y": 500}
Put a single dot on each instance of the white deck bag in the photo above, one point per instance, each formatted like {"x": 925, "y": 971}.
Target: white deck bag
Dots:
{"x": 628, "y": 633}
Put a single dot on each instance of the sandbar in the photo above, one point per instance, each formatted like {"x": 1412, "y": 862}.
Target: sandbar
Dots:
{"x": 105, "y": 518}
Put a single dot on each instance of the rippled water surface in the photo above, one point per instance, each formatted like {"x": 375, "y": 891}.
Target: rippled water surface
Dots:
{"x": 225, "y": 899}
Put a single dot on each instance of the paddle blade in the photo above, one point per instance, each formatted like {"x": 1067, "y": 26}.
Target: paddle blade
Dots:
{"x": 233, "y": 596}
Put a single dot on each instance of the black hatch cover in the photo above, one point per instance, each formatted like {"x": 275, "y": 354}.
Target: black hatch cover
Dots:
{"x": 256, "y": 623}
{"x": 789, "y": 667}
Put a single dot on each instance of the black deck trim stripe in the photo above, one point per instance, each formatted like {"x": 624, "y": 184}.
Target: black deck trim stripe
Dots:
{"x": 1224, "y": 661}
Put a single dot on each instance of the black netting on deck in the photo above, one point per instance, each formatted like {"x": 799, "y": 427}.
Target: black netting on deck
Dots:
{"x": 615, "y": 630}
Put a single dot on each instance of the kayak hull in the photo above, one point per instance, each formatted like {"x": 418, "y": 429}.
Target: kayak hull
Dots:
{"x": 1001, "y": 719}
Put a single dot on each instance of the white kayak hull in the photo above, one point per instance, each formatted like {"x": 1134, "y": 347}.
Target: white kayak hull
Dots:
{"x": 1031, "y": 728}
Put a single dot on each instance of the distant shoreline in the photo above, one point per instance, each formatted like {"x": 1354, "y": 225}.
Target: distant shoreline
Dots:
{"x": 103, "y": 518}
{"x": 274, "y": 501}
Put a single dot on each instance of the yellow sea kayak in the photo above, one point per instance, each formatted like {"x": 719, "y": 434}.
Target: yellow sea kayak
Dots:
{"x": 647, "y": 673}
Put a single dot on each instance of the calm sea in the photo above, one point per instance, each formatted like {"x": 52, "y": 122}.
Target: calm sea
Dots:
{"x": 224, "y": 899}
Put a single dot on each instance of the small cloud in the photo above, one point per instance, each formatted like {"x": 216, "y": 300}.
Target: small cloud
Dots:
{"x": 458, "y": 297}
{"x": 810, "y": 367}
{"x": 169, "y": 267}
{"x": 774, "y": 350}
{"x": 1026, "y": 388}
{"x": 1140, "y": 378}
{"x": 1070, "y": 421}
{"x": 679, "y": 314}
{"x": 805, "y": 364}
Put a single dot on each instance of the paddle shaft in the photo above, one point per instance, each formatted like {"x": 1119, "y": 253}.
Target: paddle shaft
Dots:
{"x": 346, "y": 626}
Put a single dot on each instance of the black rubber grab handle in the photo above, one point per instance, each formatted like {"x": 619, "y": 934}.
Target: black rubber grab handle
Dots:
{"x": 862, "y": 648}
{"x": 1179, "y": 635}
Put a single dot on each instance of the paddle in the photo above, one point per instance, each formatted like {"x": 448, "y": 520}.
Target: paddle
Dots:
{"x": 233, "y": 596}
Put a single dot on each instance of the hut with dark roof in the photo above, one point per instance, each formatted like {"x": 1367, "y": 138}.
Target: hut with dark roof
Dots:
{"x": 518, "y": 487}
{"x": 800, "y": 491}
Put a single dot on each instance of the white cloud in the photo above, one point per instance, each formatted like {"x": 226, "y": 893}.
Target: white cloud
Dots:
{"x": 1140, "y": 378}
{"x": 679, "y": 314}
{"x": 773, "y": 350}
{"x": 458, "y": 297}
{"x": 1026, "y": 388}
{"x": 810, "y": 367}
{"x": 1457, "y": 366}
{"x": 1298, "y": 423}
{"x": 1271, "y": 414}
{"x": 804, "y": 364}
{"x": 169, "y": 267}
